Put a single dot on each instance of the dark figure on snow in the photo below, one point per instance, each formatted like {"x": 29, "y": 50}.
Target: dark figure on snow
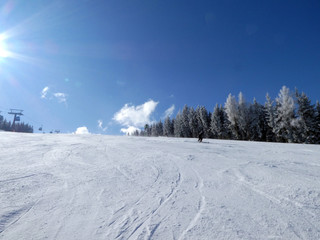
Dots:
{"x": 200, "y": 136}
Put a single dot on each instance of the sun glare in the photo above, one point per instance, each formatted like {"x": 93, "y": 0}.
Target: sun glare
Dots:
{"x": 3, "y": 49}
{"x": 3, "y": 46}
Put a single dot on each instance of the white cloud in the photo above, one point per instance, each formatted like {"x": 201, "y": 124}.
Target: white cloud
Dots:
{"x": 130, "y": 130}
{"x": 135, "y": 116}
{"x": 100, "y": 122}
{"x": 169, "y": 111}
{"x": 62, "y": 97}
{"x": 82, "y": 130}
{"x": 100, "y": 125}
{"x": 44, "y": 92}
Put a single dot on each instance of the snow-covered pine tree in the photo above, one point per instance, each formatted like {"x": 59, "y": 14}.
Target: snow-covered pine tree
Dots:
{"x": 167, "y": 127}
{"x": 186, "y": 132}
{"x": 226, "y": 133}
{"x": 203, "y": 120}
{"x": 142, "y": 133}
{"x": 215, "y": 122}
{"x": 231, "y": 109}
{"x": 193, "y": 123}
{"x": 220, "y": 123}
{"x": 257, "y": 122}
{"x": 173, "y": 125}
{"x": 147, "y": 130}
{"x": 270, "y": 114}
{"x": 217, "y": 125}
{"x": 262, "y": 122}
{"x": 136, "y": 133}
{"x": 317, "y": 120}
{"x": 178, "y": 125}
{"x": 307, "y": 128}
{"x": 199, "y": 122}
{"x": 244, "y": 118}
{"x": 285, "y": 121}
{"x": 154, "y": 130}
{"x": 159, "y": 127}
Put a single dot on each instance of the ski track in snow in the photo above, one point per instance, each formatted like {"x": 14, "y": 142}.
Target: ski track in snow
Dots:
{"x": 201, "y": 207}
{"x": 108, "y": 187}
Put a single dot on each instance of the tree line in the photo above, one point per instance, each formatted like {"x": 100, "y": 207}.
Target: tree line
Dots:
{"x": 17, "y": 127}
{"x": 291, "y": 118}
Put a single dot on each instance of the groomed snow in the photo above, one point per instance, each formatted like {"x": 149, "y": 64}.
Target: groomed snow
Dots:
{"x": 107, "y": 187}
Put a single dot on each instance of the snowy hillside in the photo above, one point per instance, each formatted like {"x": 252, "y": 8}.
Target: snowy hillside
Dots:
{"x": 103, "y": 187}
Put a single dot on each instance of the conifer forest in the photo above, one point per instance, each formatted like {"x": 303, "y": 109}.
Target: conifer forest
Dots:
{"x": 290, "y": 117}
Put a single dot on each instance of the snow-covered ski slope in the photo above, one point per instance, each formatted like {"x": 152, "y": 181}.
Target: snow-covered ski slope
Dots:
{"x": 108, "y": 187}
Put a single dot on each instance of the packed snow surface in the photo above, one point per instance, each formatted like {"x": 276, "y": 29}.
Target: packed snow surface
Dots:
{"x": 109, "y": 187}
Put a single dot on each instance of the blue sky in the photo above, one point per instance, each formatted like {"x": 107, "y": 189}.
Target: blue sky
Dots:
{"x": 68, "y": 64}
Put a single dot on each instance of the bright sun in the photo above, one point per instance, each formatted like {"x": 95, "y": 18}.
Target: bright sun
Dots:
{"x": 3, "y": 48}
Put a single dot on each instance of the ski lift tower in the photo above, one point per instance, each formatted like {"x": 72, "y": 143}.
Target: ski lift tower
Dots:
{"x": 17, "y": 113}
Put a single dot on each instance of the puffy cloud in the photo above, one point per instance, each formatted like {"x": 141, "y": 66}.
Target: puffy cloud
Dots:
{"x": 130, "y": 130}
{"x": 100, "y": 125}
{"x": 62, "y": 97}
{"x": 100, "y": 122}
{"x": 44, "y": 92}
{"x": 169, "y": 111}
{"x": 135, "y": 116}
{"x": 82, "y": 130}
